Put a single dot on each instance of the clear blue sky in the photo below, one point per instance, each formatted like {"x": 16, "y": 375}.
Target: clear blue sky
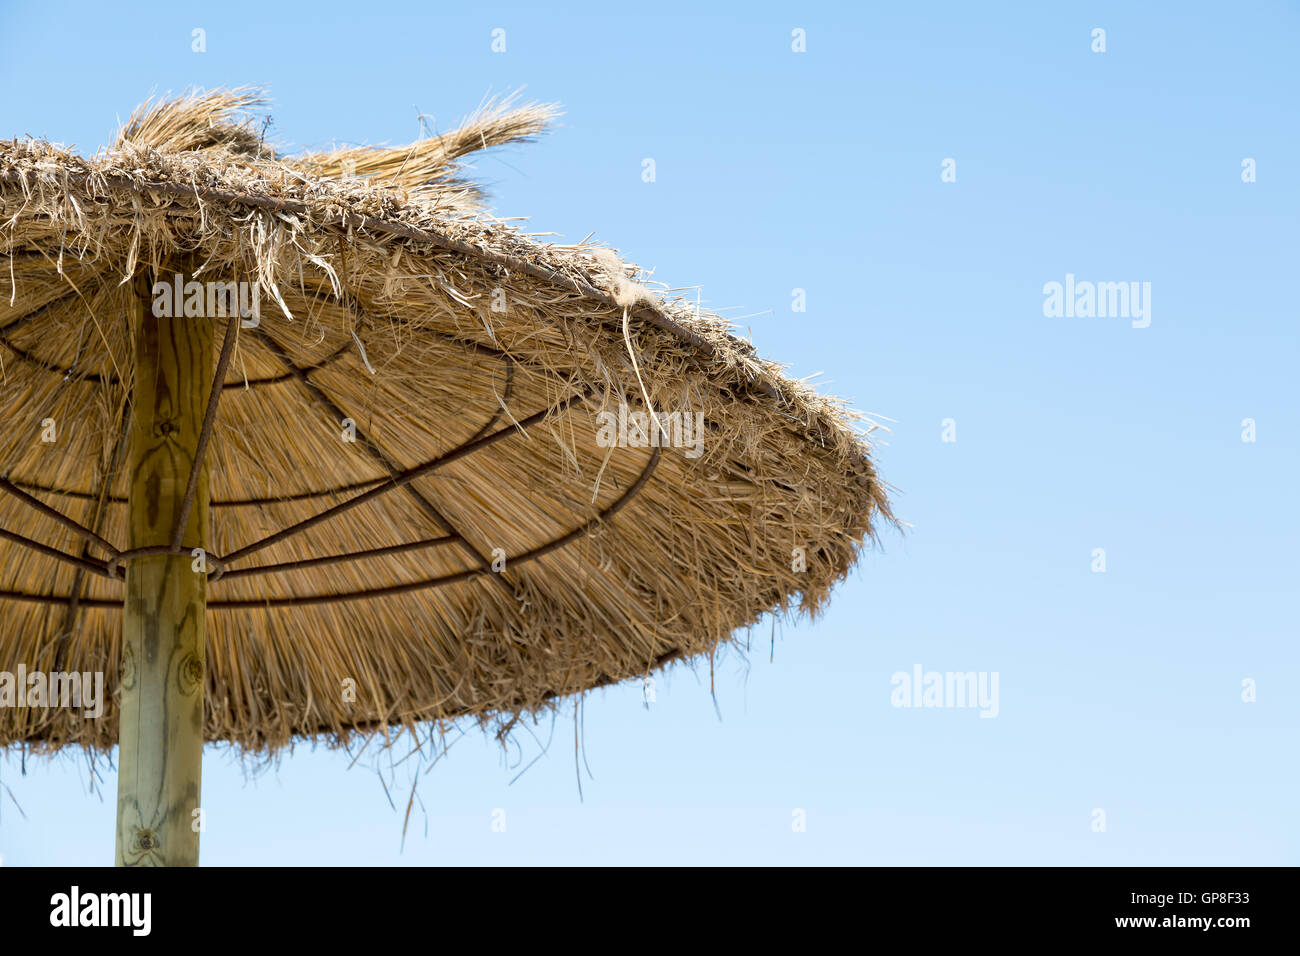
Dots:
{"x": 775, "y": 170}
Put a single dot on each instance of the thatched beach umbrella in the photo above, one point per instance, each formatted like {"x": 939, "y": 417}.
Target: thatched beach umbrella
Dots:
{"x": 444, "y": 470}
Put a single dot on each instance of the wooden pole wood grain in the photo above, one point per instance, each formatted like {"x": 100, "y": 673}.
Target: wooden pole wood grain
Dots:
{"x": 164, "y": 630}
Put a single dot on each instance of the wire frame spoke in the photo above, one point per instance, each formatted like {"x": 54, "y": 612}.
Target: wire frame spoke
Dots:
{"x": 312, "y": 599}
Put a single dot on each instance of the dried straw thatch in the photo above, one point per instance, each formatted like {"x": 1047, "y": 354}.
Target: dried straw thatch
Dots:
{"x": 379, "y": 274}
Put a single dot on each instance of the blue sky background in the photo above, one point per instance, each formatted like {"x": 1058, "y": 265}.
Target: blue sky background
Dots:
{"x": 821, "y": 171}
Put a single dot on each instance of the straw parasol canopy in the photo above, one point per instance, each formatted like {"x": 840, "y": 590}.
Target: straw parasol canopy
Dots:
{"x": 450, "y": 469}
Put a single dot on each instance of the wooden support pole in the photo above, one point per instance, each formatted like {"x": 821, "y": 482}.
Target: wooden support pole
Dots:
{"x": 164, "y": 630}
